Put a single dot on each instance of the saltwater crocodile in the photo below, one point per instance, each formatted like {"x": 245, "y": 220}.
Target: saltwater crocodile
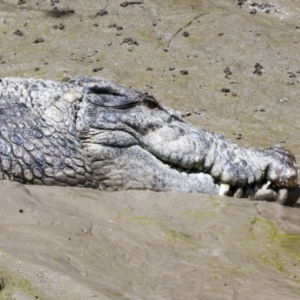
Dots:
{"x": 94, "y": 133}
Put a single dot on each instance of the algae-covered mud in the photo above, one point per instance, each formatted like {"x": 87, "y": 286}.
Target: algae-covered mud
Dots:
{"x": 228, "y": 66}
{"x": 17, "y": 288}
{"x": 69, "y": 243}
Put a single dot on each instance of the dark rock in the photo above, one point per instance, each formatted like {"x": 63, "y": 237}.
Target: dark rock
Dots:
{"x": 227, "y": 71}
{"x": 130, "y": 41}
{"x": 18, "y": 32}
{"x": 97, "y": 69}
{"x": 38, "y": 40}
{"x": 124, "y": 4}
{"x": 21, "y": 2}
{"x": 101, "y": 13}
{"x": 225, "y": 90}
{"x": 257, "y": 69}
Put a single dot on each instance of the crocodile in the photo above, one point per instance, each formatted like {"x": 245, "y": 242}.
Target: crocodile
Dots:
{"x": 92, "y": 132}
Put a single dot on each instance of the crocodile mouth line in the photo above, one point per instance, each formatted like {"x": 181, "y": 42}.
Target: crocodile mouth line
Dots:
{"x": 263, "y": 190}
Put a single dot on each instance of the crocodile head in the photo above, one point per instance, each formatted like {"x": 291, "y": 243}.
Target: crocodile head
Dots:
{"x": 135, "y": 141}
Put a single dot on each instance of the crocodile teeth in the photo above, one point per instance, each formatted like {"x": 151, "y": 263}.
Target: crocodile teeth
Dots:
{"x": 238, "y": 193}
{"x": 224, "y": 189}
{"x": 282, "y": 196}
{"x": 266, "y": 185}
{"x": 264, "y": 194}
{"x": 288, "y": 197}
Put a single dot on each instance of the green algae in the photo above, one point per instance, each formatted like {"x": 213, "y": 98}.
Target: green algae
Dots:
{"x": 273, "y": 247}
{"x": 268, "y": 247}
{"x": 172, "y": 235}
{"x": 200, "y": 214}
{"x": 151, "y": 37}
{"x": 288, "y": 241}
{"x": 144, "y": 220}
{"x": 10, "y": 285}
{"x": 119, "y": 216}
{"x": 224, "y": 269}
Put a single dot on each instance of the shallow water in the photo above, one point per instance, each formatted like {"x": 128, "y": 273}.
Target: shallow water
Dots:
{"x": 63, "y": 243}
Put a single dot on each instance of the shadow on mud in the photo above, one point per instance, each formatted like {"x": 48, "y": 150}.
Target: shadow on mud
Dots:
{"x": 59, "y": 13}
{"x": 53, "y": 13}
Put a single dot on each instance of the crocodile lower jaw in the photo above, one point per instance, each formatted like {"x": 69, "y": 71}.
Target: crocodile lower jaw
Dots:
{"x": 283, "y": 196}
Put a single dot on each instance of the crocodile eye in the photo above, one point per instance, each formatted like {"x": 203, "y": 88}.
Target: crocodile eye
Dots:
{"x": 150, "y": 102}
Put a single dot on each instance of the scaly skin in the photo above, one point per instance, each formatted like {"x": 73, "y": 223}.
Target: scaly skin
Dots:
{"x": 94, "y": 133}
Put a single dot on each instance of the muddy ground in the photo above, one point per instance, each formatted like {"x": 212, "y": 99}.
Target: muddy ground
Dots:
{"x": 230, "y": 66}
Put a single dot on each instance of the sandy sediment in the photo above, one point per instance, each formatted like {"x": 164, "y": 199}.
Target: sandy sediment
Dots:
{"x": 227, "y": 69}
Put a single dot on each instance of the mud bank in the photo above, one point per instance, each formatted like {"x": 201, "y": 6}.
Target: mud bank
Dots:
{"x": 228, "y": 69}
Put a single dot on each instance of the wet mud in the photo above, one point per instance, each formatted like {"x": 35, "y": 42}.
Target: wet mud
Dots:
{"x": 229, "y": 66}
